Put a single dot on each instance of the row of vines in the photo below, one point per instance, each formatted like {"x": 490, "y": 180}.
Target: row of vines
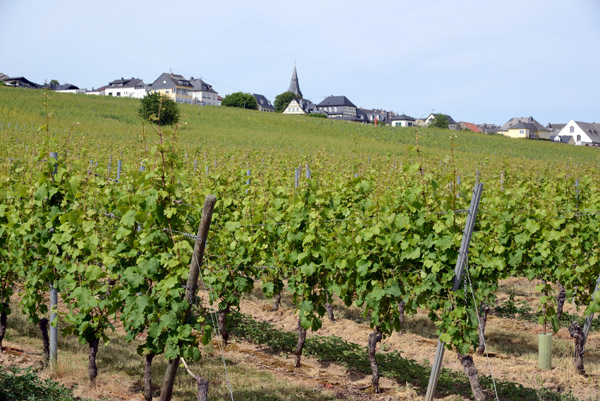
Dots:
{"x": 385, "y": 240}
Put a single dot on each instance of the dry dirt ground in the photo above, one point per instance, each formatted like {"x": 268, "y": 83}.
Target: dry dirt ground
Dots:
{"x": 512, "y": 348}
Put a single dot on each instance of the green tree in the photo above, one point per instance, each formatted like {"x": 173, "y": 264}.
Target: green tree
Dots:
{"x": 241, "y": 100}
{"x": 282, "y": 100}
{"x": 54, "y": 82}
{"x": 159, "y": 109}
{"x": 440, "y": 121}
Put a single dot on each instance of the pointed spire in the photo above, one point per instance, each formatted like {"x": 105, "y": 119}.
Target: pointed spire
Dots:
{"x": 294, "y": 86}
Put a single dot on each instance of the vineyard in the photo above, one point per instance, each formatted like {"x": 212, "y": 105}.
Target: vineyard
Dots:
{"x": 159, "y": 237}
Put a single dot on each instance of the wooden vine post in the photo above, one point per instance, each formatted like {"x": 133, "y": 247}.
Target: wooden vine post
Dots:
{"x": 458, "y": 273}
{"x": 191, "y": 288}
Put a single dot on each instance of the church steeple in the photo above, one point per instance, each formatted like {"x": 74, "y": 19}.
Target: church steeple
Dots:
{"x": 294, "y": 86}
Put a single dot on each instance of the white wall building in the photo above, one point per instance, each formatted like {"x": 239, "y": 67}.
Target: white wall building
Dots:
{"x": 203, "y": 93}
{"x": 581, "y": 133}
{"x": 127, "y": 87}
{"x": 402, "y": 121}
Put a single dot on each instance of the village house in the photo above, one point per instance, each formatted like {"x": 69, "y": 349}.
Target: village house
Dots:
{"x": 555, "y": 130}
{"x": 451, "y": 123}
{"x": 63, "y": 88}
{"x": 20, "y": 82}
{"x": 580, "y": 133}
{"x": 300, "y": 106}
{"x": 382, "y": 116}
{"x": 524, "y": 127}
{"x": 203, "y": 93}
{"x": 488, "y": 128}
{"x": 339, "y": 107}
{"x": 402, "y": 121}
{"x": 174, "y": 86}
{"x": 127, "y": 87}
{"x": 263, "y": 103}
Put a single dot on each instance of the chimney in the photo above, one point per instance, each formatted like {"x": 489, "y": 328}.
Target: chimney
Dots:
{"x": 191, "y": 78}
{"x": 530, "y": 119}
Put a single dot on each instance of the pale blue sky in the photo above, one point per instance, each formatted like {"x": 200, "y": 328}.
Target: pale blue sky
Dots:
{"x": 477, "y": 60}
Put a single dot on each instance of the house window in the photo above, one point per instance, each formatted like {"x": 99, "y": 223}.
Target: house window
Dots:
{"x": 521, "y": 132}
{"x": 335, "y": 108}
{"x": 118, "y": 93}
{"x": 571, "y": 130}
{"x": 578, "y": 138}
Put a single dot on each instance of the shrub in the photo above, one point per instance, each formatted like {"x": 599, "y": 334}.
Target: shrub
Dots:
{"x": 149, "y": 109}
{"x": 241, "y": 100}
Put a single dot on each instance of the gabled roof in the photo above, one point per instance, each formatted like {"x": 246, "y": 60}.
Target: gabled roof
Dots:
{"x": 450, "y": 119}
{"x": 21, "y": 81}
{"x": 362, "y": 116}
{"x": 402, "y": 117}
{"x": 382, "y": 115}
{"x": 336, "y": 101}
{"x": 263, "y": 101}
{"x": 294, "y": 85}
{"x": 169, "y": 81}
{"x": 3, "y": 76}
{"x": 125, "y": 82}
{"x": 530, "y": 120}
{"x": 471, "y": 126}
{"x": 307, "y": 105}
{"x": 98, "y": 89}
{"x": 522, "y": 125}
{"x": 64, "y": 87}
{"x": 201, "y": 86}
{"x": 591, "y": 129}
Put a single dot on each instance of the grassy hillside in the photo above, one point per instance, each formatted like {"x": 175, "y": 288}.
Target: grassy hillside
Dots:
{"x": 112, "y": 124}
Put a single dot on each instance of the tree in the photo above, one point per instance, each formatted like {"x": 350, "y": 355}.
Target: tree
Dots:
{"x": 159, "y": 109}
{"x": 54, "y": 82}
{"x": 282, "y": 100}
{"x": 241, "y": 100}
{"x": 440, "y": 121}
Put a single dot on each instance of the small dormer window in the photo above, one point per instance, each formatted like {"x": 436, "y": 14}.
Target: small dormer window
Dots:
{"x": 572, "y": 129}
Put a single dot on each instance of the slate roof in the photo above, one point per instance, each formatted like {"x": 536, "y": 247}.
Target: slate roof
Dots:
{"x": 63, "y": 87}
{"x": 125, "y": 83}
{"x": 336, "y": 101}
{"x": 294, "y": 85}
{"x": 402, "y": 117}
{"x": 488, "y": 128}
{"x": 307, "y": 105}
{"x": 201, "y": 86}
{"x": 555, "y": 129}
{"x": 21, "y": 82}
{"x": 563, "y": 138}
{"x": 263, "y": 102}
{"x": 362, "y": 116}
{"x": 169, "y": 81}
{"x": 591, "y": 129}
{"x": 522, "y": 125}
{"x": 510, "y": 124}
{"x": 382, "y": 115}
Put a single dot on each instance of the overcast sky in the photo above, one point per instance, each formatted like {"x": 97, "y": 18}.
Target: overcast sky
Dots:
{"x": 479, "y": 61}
